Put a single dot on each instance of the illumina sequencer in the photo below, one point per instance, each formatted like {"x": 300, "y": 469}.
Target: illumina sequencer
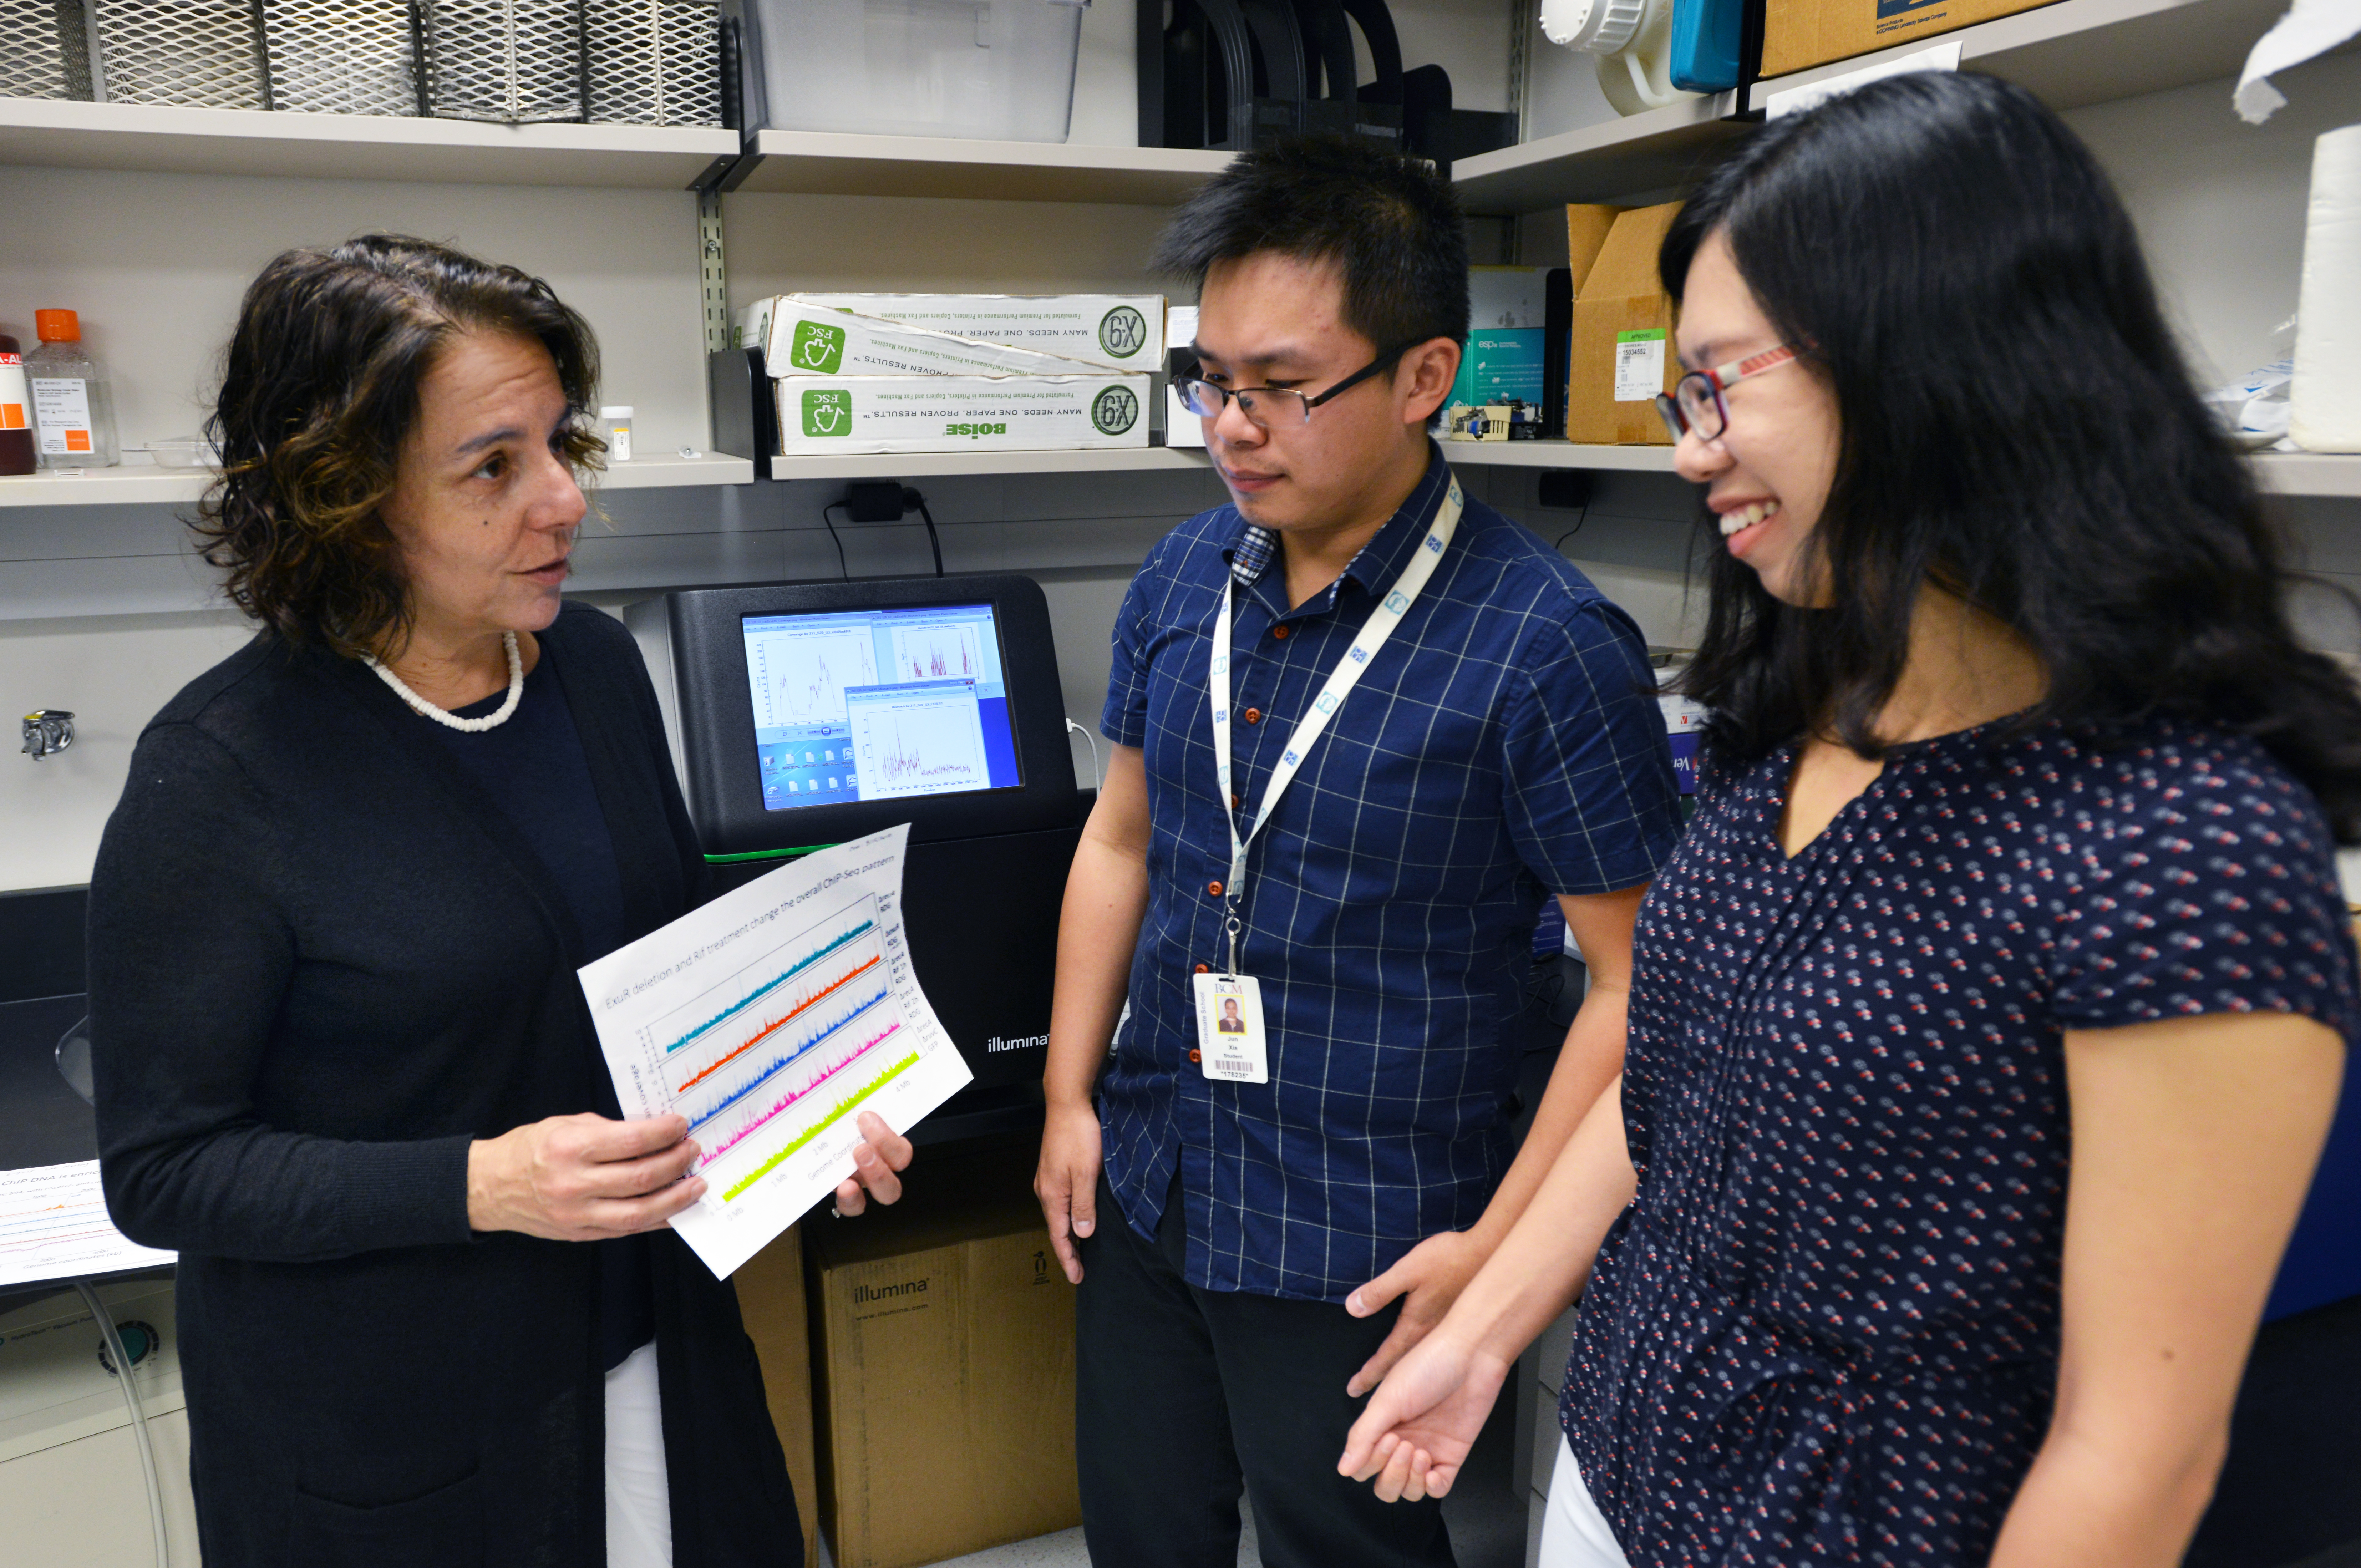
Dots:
{"x": 806, "y": 714}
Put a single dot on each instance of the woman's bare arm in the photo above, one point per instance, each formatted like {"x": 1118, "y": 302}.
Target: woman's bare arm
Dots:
{"x": 2195, "y": 1143}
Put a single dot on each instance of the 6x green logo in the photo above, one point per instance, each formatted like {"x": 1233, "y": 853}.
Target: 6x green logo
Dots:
{"x": 1123, "y": 332}
{"x": 1114, "y": 410}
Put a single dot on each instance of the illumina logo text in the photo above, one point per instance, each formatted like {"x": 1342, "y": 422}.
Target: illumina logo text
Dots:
{"x": 861, "y": 1293}
{"x": 998, "y": 1044}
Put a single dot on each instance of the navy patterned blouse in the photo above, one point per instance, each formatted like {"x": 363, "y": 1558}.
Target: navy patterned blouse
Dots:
{"x": 1826, "y": 1331}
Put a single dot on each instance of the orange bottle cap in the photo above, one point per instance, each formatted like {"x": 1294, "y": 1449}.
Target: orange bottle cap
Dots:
{"x": 58, "y": 326}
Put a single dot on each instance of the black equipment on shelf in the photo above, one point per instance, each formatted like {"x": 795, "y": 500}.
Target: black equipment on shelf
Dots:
{"x": 1230, "y": 75}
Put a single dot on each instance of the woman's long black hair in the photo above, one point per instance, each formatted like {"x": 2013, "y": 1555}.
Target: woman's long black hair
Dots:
{"x": 2018, "y": 428}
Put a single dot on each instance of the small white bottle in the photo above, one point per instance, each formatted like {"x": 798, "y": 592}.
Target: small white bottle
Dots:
{"x": 73, "y": 412}
{"x": 617, "y": 420}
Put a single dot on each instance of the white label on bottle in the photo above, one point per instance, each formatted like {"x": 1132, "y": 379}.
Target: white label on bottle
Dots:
{"x": 16, "y": 402}
{"x": 62, "y": 413}
{"x": 619, "y": 443}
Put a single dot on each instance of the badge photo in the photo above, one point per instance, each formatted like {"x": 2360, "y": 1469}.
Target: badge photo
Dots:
{"x": 1231, "y": 1045}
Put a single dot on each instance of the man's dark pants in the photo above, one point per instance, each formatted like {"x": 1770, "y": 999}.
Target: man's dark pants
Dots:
{"x": 1184, "y": 1394}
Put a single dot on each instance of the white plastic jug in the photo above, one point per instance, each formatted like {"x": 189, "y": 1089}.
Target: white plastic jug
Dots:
{"x": 1633, "y": 41}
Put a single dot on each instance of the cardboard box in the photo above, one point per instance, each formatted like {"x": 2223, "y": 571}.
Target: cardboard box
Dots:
{"x": 953, "y": 413}
{"x": 1622, "y": 351}
{"x": 1799, "y": 33}
{"x": 945, "y": 1360}
{"x": 1502, "y": 357}
{"x": 771, "y": 1300}
{"x": 807, "y": 340}
{"x": 1123, "y": 332}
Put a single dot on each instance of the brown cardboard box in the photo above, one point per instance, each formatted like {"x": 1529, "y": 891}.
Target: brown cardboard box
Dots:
{"x": 1587, "y": 228}
{"x": 944, "y": 1355}
{"x": 1798, "y": 33}
{"x": 1622, "y": 353}
{"x": 770, "y": 1300}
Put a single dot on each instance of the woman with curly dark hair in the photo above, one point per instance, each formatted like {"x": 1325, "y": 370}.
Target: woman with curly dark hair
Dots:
{"x": 1986, "y": 1029}
{"x": 344, "y": 1067}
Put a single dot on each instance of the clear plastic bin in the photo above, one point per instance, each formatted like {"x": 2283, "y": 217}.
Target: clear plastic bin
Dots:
{"x": 978, "y": 70}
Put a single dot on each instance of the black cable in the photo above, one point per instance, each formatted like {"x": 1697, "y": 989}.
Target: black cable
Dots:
{"x": 1575, "y": 530}
{"x": 832, "y": 535}
{"x": 932, "y": 538}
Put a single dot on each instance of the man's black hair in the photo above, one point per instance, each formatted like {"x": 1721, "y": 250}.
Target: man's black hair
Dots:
{"x": 1390, "y": 223}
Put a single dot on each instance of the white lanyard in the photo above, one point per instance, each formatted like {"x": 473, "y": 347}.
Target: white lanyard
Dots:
{"x": 1347, "y": 673}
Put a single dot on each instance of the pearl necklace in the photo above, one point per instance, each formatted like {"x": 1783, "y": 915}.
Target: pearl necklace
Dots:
{"x": 426, "y": 709}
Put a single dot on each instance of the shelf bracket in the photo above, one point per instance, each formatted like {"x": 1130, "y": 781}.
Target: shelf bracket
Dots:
{"x": 712, "y": 271}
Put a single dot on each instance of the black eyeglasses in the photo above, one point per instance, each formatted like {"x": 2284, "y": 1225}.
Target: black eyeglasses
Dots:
{"x": 1268, "y": 406}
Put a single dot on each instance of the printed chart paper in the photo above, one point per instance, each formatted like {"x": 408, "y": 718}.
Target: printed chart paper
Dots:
{"x": 772, "y": 1018}
{"x": 54, "y": 1225}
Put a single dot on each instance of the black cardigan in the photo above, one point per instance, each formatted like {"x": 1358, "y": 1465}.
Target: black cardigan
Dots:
{"x": 322, "y": 960}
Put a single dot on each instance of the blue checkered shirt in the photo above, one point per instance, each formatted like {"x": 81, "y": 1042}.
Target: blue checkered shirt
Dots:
{"x": 1504, "y": 745}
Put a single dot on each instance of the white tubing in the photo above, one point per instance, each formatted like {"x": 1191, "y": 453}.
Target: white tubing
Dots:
{"x": 138, "y": 1417}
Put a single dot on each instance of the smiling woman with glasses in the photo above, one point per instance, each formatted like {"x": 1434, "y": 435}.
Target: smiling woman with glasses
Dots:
{"x": 1987, "y": 1026}
{"x": 1695, "y": 405}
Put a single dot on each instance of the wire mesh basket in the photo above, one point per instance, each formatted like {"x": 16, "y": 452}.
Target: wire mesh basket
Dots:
{"x": 201, "y": 54}
{"x": 654, "y": 62}
{"x": 514, "y": 60}
{"x": 44, "y": 49}
{"x": 341, "y": 57}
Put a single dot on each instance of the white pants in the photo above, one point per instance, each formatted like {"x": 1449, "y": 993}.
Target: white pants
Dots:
{"x": 639, "y": 1507}
{"x": 1574, "y": 1532}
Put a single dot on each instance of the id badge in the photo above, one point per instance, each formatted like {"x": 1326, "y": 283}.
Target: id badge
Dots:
{"x": 1231, "y": 1045}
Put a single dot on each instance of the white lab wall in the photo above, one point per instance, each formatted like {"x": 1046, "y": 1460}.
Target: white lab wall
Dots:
{"x": 112, "y": 674}
{"x": 156, "y": 264}
{"x": 2220, "y": 203}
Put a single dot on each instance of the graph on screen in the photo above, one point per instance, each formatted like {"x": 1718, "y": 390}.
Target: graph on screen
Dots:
{"x": 798, "y": 677}
{"x": 938, "y": 653}
{"x": 766, "y": 1058}
{"x": 919, "y": 745}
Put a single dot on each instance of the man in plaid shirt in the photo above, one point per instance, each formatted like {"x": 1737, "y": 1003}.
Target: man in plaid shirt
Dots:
{"x": 1270, "y": 1246}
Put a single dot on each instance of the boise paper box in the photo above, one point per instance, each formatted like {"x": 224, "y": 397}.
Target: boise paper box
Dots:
{"x": 1124, "y": 332}
{"x": 1621, "y": 354}
{"x": 951, "y": 413}
{"x": 943, "y": 1356}
{"x": 810, "y": 340}
{"x": 1798, "y": 33}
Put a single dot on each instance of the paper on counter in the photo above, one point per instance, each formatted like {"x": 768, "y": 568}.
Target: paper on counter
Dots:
{"x": 772, "y": 1018}
{"x": 2310, "y": 27}
{"x": 53, "y": 1226}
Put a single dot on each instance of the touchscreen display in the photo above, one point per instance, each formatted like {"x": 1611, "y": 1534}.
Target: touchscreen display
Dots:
{"x": 878, "y": 705}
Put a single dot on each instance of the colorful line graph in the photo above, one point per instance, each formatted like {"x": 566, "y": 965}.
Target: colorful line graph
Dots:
{"x": 789, "y": 1016}
{"x": 786, "y": 1060}
{"x": 842, "y": 1109}
{"x": 781, "y": 1105}
{"x": 760, "y": 992}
